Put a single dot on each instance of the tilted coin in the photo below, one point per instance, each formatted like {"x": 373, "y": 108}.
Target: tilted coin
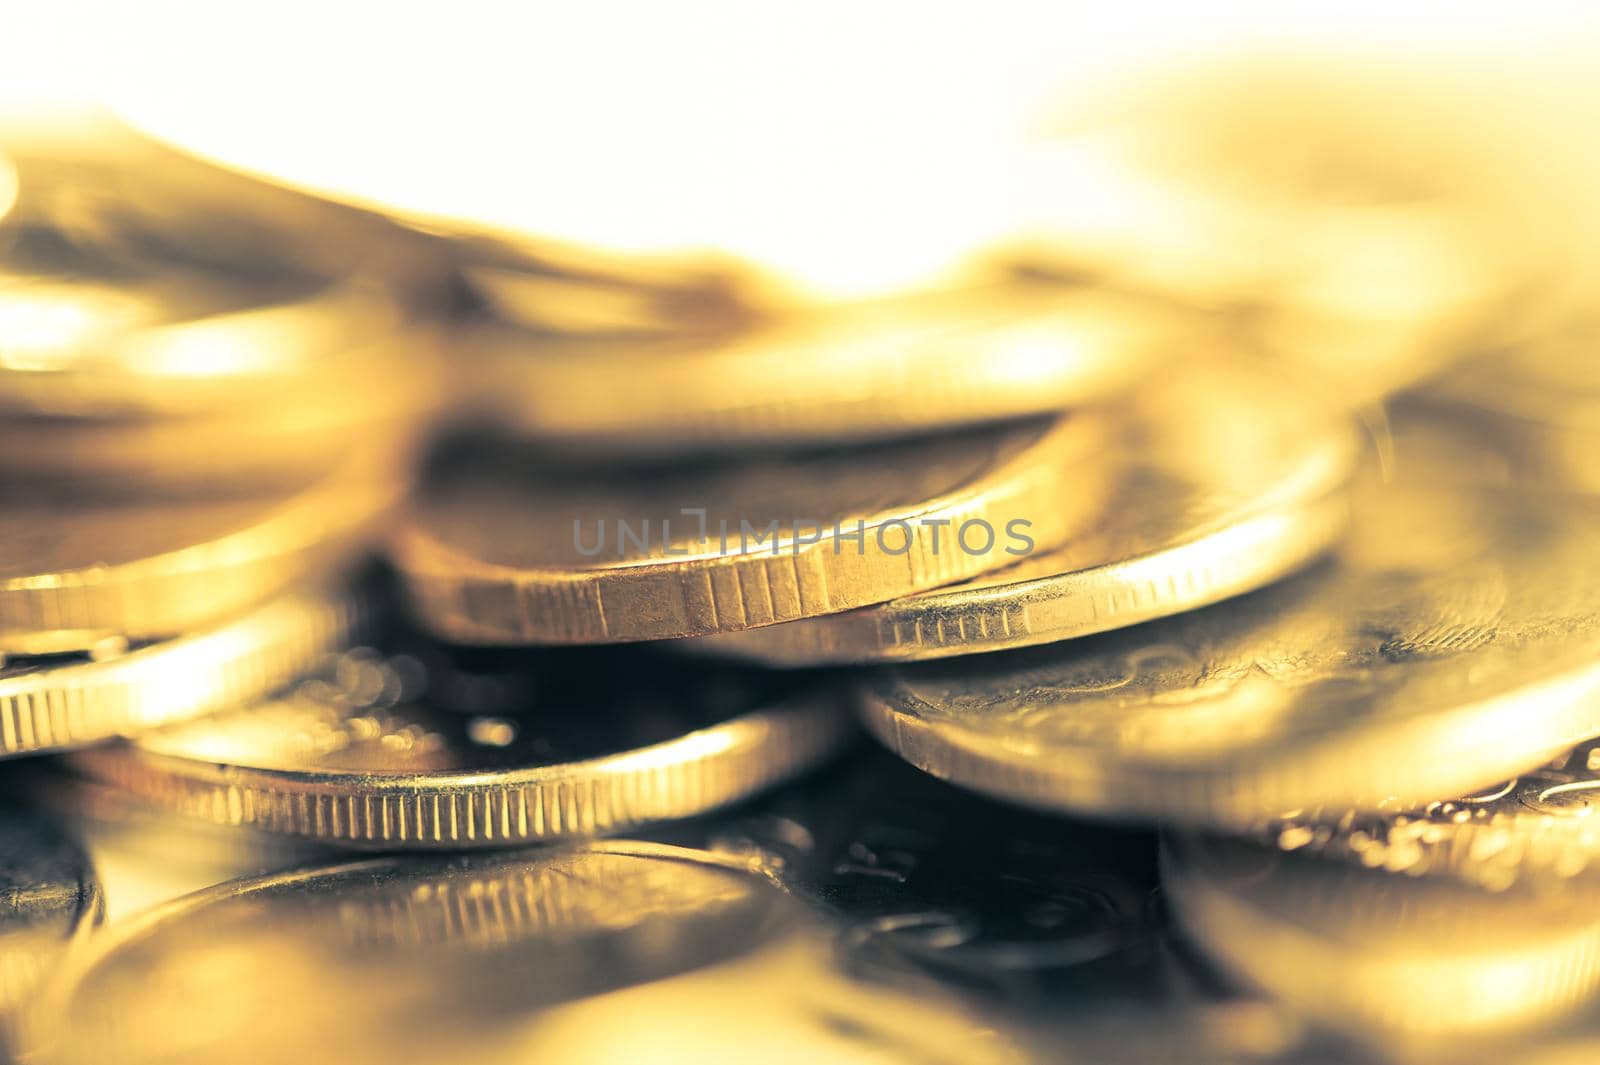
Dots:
{"x": 49, "y": 899}
{"x": 1450, "y": 642}
{"x": 78, "y": 569}
{"x": 548, "y": 291}
{"x": 506, "y": 552}
{"x": 1231, "y": 479}
{"x": 62, "y": 701}
{"x": 413, "y": 958}
{"x": 396, "y": 752}
{"x": 102, "y": 190}
{"x": 1413, "y": 965}
{"x": 178, "y": 377}
{"x": 1537, "y": 830}
{"x": 897, "y": 367}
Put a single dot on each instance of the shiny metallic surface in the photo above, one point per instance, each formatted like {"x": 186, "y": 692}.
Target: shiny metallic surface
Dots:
{"x": 467, "y": 474}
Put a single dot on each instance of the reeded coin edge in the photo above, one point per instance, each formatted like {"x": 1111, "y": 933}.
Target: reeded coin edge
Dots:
{"x": 82, "y": 703}
{"x": 463, "y": 599}
{"x": 1247, "y": 553}
{"x": 688, "y": 775}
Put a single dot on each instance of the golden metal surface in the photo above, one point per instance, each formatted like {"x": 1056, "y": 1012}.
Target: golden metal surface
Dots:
{"x": 1453, "y": 640}
{"x": 1535, "y": 831}
{"x": 498, "y": 553}
{"x": 879, "y": 369}
{"x": 580, "y": 743}
{"x": 401, "y": 958}
{"x": 1230, "y": 479}
{"x": 49, "y": 900}
{"x": 79, "y": 569}
{"x": 55, "y": 704}
{"x": 1412, "y": 965}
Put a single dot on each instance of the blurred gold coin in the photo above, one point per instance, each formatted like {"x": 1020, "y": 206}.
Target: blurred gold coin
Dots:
{"x": 96, "y": 187}
{"x": 1536, "y": 831}
{"x": 530, "y": 746}
{"x": 1230, "y": 480}
{"x": 1452, "y": 640}
{"x": 405, "y": 958}
{"x": 500, "y": 552}
{"x": 82, "y": 568}
{"x": 1411, "y": 965}
{"x": 894, "y": 367}
{"x": 68, "y": 701}
{"x": 51, "y": 900}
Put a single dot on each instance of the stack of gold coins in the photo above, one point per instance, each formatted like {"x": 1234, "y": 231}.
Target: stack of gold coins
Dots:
{"x": 444, "y": 643}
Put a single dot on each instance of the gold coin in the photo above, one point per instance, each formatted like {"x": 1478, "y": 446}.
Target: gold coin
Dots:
{"x": 1453, "y": 640}
{"x": 547, "y": 291}
{"x": 848, "y": 373}
{"x": 524, "y": 747}
{"x": 505, "y": 553}
{"x": 405, "y": 958}
{"x": 70, "y": 701}
{"x": 79, "y": 569}
{"x": 92, "y": 185}
{"x": 1412, "y": 965}
{"x": 52, "y": 900}
{"x": 1231, "y": 479}
{"x": 1536, "y": 830}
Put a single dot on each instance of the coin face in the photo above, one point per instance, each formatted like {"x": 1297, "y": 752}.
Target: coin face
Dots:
{"x": 899, "y": 367}
{"x": 1413, "y": 965}
{"x": 79, "y": 568}
{"x": 406, "y": 957}
{"x": 502, "y": 552}
{"x": 1229, "y": 479}
{"x": 484, "y": 750}
{"x": 1450, "y": 642}
{"x": 1536, "y": 831}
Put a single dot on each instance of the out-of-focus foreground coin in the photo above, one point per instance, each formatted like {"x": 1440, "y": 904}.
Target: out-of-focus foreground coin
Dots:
{"x": 500, "y": 552}
{"x": 895, "y": 367}
{"x": 79, "y": 569}
{"x": 49, "y": 898}
{"x": 385, "y": 751}
{"x": 63, "y": 701}
{"x": 1413, "y": 965}
{"x": 417, "y": 959}
{"x": 1536, "y": 831}
{"x": 1453, "y": 640}
{"x": 1231, "y": 479}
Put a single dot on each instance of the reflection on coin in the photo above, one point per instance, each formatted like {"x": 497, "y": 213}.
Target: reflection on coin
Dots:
{"x": 1537, "y": 830}
{"x": 1452, "y": 641}
{"x": 892, "y": 368}
{"x": 510, "y": 748}
{"x": 1540, "y": 402}
{"x": 80, "y": 568}
{"x": 957, "y": 930}
{"x": 1412, "y": 964}
{"x": 501, "y": 552}
{"x": 63, "y": 701}
{"x": 405, "y": 958}
{"x": 49, "y": 897}
{"x": 1232, "y": 480}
